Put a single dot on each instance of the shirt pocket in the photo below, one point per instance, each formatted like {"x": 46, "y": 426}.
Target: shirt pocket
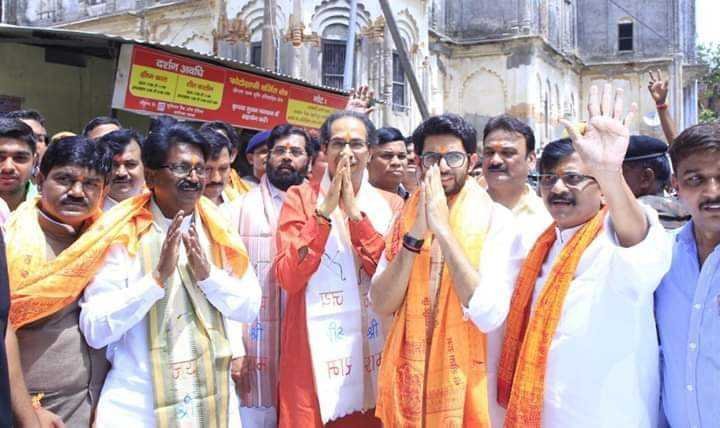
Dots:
{"x": 577, "y": 309}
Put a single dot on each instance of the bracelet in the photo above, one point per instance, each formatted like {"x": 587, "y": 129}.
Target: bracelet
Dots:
{"x": 412, "y": 244}
{"x": 662, "y": 106}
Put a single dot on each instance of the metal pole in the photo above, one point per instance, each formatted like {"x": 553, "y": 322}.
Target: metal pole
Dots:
{"x": 404, "y": 59}
{"x": 268, "y": 36}
{"x": 350, "y": 48}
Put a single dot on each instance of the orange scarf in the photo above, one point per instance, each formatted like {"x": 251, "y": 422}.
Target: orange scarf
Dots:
{"x": 521, "y": 375}
{"x": 441, "y": 382}
{"x": 40, "y": 288}
{"x": 237, "y": 186}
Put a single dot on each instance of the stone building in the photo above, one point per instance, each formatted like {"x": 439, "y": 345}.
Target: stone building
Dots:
{"x": 534, "y": 59}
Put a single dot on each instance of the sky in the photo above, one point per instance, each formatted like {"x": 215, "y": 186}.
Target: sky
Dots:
{"x": 707, "y": 21}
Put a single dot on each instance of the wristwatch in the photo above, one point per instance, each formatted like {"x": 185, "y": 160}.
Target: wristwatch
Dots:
{"x": 412, "y": 244}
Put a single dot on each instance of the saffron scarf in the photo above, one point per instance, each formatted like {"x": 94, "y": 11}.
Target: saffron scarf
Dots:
{"x": 236, "y": 187}
{"x": 40, "y": 288}
{"x": 528, "y": 335}
{"x": 440, "y": 382}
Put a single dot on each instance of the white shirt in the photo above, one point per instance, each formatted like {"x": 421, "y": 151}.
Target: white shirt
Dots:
{"x": 532, "y": 218}
{"x": 602, "y": 368}
{"x": 108, "y": 203}
{"x": 113, "y": 314}
{"x": 500, "y": 262}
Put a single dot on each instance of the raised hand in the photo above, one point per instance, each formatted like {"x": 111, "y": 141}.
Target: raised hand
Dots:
{"x": 437, "y": 211}
{"x": 359, "y": 100}
{"x": 331, "y": 200}
{"x": 349, "y": 202}
{"x": 197, "y": 260}
{"x": 169, "y": 251}
{"x": 420, "y": 227}
{"x": 658, "y": 87}
{"x": 606, "y": 138}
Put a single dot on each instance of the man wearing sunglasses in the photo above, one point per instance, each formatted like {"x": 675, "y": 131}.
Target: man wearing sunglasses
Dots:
{"x": 169, "y": 300}
{"x": 580, "y": 346}
{"x": 451, "y": 254}
{"x": 329, "y": 240}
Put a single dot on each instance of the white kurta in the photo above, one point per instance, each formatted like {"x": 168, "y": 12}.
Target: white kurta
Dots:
{"x": 113, "y": 314}
{"x": 502, "y": 256}
{"x": 602, "y": 368}
{"x": 531, "y": 218}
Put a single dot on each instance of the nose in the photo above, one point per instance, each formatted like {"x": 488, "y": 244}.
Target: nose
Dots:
{"x": 76, "y": 189}
{"x": 215, "y": 176}
{"x": 443, "y": 166}
{"x": 193, "y": 176}
{"x": 559, "y": 186}
{"x": 495, "y": 159}
{"x": 7, "y": 165}
{"x": 712, "y": 189}
{"x": 395, "y": 161}
{"x": 121, "y": 171}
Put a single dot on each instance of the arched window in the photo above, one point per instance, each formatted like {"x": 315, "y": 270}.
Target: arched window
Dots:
{"x": 334, "y": 42}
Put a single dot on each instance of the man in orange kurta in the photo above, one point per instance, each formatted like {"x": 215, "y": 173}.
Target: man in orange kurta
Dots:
{"x": 309, "y": 222}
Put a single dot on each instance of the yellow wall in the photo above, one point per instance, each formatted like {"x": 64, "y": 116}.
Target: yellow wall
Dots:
{"x": 67, "y": 96}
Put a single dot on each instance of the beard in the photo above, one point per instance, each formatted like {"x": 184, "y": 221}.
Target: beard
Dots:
{"x": 283, "y": 178}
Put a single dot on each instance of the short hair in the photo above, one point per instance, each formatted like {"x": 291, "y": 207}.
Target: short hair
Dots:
{"x": 511, "y": 124}
{"x": 285, "y": 130}
{"x": 100, "y": 120}
{"x": 77, "y": 151}
{"x": 157, "y": 145}
{"x": 18, "y": 130}
{"x": 704, "y": 137}
{"x": 446, "y": 124}
{"x": 369, "y": 126}
{"x": 160, "y": 122}
{"x": 27, "y": 115}
{"x": 660, "y": 165}
{"x": 216, "y": 142}
{"x": 554, "y": 153}
{"x": 227, "y": 129}
{"x": 388, "y": 134}
{"x": 117, "y": 141}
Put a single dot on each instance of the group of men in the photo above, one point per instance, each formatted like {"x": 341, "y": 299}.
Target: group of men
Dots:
{"x": 361, "y": 278}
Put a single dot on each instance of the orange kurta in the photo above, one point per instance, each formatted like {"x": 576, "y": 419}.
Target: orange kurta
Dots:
{"x": 301, "y": 240}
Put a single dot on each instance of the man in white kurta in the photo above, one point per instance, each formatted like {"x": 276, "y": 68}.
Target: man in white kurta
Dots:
{"x": 120, "y": 307}
{"x": 580, "y": 346}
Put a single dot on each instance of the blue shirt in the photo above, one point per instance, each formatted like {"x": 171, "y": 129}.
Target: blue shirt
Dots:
{"x": 687, "y": 305}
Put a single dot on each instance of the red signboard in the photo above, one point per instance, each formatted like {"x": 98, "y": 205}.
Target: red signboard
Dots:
{"x": 154, "y": 82}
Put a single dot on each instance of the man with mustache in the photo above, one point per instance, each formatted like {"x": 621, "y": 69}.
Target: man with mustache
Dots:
{"x": 450, "y": 255}
{"x": 256, "y": 152}
{"x": 580, "y": 346}
{"x": 508, "y": 158}
{"x": 687, "y": 302}
{"x": 410, "y": 181}
{"x": 218, "y": 167}
{"x": 17, "y": 162}
{"x": 55, "y": 244}
{"x": 165, "y": 300}
{"x": 388, "y": 162}
{"x": 236, "y": 183}
{"x": 329, "y": 240}
{"x": 257, "y": 378}
{"x": 127, "y": 177}
{"x": 99, "y": 126}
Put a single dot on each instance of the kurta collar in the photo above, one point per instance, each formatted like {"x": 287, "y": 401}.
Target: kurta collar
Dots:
{"x": 163, "y": 222}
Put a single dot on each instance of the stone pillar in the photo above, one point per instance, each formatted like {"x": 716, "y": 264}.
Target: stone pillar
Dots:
{"x": 269, "y": 47}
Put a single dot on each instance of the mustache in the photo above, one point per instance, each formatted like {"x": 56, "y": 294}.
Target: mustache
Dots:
{"x": 497, "y": 168}
{"x": 125, "y": 179}
{"x": 189, "y": 186}
{"x": 72, "y": 200}
{"x": 562, "y": 197}
{"x": 715, "y": 201}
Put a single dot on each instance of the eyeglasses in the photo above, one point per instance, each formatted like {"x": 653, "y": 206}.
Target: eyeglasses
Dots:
{"x": 570, "y": 179}
{"x": 295, "y": 152}
{"x": 339, "y": 145}
{"x": 182, "y": 170}
{"x": 452, "y": 159}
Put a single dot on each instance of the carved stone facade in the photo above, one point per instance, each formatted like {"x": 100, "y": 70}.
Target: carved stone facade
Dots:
{"x": 532, "y": 58}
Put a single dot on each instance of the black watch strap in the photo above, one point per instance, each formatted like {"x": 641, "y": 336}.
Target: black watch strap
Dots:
{"x": 413, "y": 244}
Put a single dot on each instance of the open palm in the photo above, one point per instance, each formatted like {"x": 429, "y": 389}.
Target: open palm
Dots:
{"x": 606, "y": 138}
